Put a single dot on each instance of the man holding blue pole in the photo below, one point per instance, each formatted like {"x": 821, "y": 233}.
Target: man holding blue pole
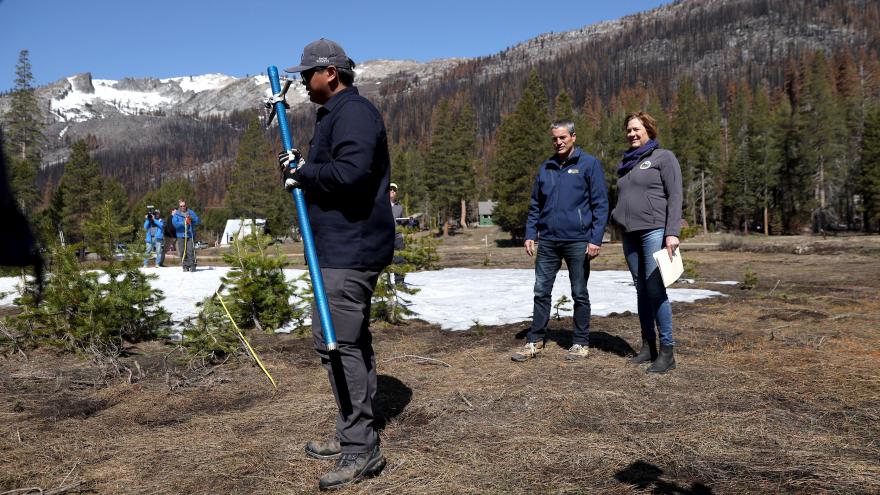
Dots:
{"x": 345, "y": 180}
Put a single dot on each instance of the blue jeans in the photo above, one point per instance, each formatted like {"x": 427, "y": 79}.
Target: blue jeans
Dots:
{"x": 547, "y": 264}
{"x": 154, "y": 245}
{"x": 654, "y": 306}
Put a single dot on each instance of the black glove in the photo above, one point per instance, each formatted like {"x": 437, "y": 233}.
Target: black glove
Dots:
{"x": 290, "y": 161}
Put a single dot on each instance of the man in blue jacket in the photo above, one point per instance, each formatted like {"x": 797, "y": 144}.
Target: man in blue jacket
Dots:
{"x": 345, "y": 180}
{"x": 185, "y": 221}
{"x": 155, "y": 227}
{"x": 567, "y": 216}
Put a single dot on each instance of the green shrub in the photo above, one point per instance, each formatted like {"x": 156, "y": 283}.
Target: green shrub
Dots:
{"x": 210, "y": 334}
{"x": 689, "y": 232}
{"x": 98, "y": 309}
{"x": 259, "y": 296}
{"x": 690, "y": 267}
{"x": 419, "y": 252}
{"x": 750, "y": 279}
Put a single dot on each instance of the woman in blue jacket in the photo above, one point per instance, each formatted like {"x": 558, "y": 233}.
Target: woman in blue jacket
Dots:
{"x": 649, "y": 212}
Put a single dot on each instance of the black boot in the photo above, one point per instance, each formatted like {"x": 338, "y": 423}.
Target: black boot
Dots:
{"x": 664, "y": 362}
{"x": 351, "y": 468}
{"x": 647, "y": 353}
{"x": 324, "y": 449}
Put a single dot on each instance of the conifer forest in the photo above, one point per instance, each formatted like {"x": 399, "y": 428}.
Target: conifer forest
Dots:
{"x": 775, "y": 140}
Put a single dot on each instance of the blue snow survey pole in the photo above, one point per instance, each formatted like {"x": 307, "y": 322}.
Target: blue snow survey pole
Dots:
{"x": 304, "y": 226}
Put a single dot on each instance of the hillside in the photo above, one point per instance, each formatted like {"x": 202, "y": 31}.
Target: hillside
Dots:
{"x": 178, "y": 125}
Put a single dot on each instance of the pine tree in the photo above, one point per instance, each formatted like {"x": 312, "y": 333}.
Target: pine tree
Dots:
{"x": 466, "y": 163}
{"x": 90, "y": 311}
{"x": 563, "y": 108}
{"x": 103, "y": 229}
{"x": 868, "y": 181}
{"x": 82, "y": 191}
{"x": 441, "y": 165}
{"x": 523, "y": 144}
{"x": 763, "y": 153}
{"x": 165, "y": 199}
{"x": 741, "y": 183}
{"x": 820, "y": 138}
{"x": 259, "y": 295}
{"x": 24, "y": 138}
{"x": 255, "y": 190}
{"x": 695, "y": 143}
{"x": 407, "y": 171}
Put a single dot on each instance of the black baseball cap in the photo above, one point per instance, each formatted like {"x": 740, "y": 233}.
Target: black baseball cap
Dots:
{"x": 322, "y": 53}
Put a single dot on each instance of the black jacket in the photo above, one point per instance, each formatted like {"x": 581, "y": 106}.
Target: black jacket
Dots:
{"x": 345, "y": 180}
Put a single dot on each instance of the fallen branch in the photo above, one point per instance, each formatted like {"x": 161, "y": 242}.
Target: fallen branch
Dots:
{"x": 23, "y": 491}
{"x": 39, "y": 491}
{"x": 465, "y": 400}
{"x": 774, "y": 288}
{"x": 422, "y": 359}
{"x": 64, "y": 489}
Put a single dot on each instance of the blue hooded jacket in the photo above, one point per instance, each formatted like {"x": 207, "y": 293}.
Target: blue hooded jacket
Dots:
{"x": 569, "y": 200}
{"x": 156, "y": 231}
{"x": 180, "y": 226}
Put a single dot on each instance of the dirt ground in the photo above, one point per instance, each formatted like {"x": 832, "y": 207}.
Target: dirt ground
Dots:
{"x": 776, "y": 391}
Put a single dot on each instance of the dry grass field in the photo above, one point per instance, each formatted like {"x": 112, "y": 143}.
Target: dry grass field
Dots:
{"x": 777, "y": 390}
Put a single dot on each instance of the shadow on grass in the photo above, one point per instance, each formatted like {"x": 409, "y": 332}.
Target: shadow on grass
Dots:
{"x": 392, "y": 397}
{"x": 645, "y": 476}
{"x": 601, "y": 341}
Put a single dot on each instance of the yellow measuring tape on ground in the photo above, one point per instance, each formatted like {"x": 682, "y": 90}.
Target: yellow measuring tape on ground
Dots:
{"x": 246, "y": 343}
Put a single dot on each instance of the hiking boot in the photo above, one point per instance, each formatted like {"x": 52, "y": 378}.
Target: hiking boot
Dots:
{"x": 324, "y": 449}
{"x": 351, "y": 468}
{"x": 647, "y": 353}
{"x": 664, "y": 362}
{"x": 528, "y": 351}
{"x": 576, "y": 352}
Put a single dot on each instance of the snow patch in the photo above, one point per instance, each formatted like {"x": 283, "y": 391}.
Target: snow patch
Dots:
{"x": 454, "y": 298}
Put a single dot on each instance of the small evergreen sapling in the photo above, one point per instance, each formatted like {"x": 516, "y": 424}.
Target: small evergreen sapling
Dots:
{"x": 560, "y": 305}
{"x": 209, "y": 334}
{"x": 87, "y": 309}
{"x": 259, "y": 295}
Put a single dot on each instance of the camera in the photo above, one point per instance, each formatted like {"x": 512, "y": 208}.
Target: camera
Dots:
{"x": 151, "y": 210}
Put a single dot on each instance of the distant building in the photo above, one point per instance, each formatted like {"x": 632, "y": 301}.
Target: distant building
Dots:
{"x": 234, "y": 227}
{"x": 485, "y": 209}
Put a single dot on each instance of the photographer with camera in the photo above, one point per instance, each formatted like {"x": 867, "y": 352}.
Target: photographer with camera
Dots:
{"x": 154, "y": 226}
{"x": 185, "y": 221}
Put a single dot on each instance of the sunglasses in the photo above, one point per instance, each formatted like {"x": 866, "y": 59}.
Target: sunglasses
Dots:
{"x": 307, "y": 74}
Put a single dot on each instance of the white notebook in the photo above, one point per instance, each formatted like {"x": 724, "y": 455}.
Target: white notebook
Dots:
{"x": 670, "y": 270}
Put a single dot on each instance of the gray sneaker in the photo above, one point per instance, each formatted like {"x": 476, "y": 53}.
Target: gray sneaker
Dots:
{"x": 577, "y": 351}
{"x": 324, "y": 449}
{"x": 528, "y": 351}
{"x": 351, "y": 468}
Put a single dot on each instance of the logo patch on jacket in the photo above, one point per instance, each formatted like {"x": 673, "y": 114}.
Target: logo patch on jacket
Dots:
{"x": 645, "y": 165}
{"x": 574, "y": 171}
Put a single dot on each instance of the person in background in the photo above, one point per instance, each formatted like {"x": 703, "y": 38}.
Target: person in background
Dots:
{"x": 399, "y": 219}
{"x": 649, "y": 195}
{"x": 185, "y": 222}
{"x": 170, "y": 234}
{"x": 345, "y": 180}
{"x": 567, "y": 216}
{"x": 155, "y": 228}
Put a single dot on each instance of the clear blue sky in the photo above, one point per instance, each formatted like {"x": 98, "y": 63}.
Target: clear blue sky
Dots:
{"x": 113, "y": 39}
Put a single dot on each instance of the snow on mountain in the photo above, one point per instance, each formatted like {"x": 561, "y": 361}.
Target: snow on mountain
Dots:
{"x": 197, "y": 84}
{"x": 80, "y": 98}
{"x": 78, "y": 105}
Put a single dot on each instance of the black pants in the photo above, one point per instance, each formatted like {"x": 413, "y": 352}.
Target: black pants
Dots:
{"x": 352, "y": 368}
